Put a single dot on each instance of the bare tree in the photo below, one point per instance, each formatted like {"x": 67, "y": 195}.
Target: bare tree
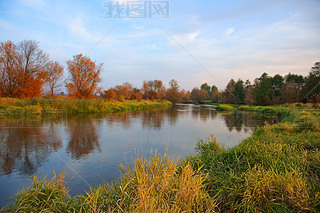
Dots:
{"x": 32, "y": 63}
{"x": 54, "y": 76}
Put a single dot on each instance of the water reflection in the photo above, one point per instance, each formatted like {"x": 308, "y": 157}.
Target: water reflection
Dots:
{"x": 83, "y": 135}
{"x": 95, "y": 144}
{"x": 22, "y": 148}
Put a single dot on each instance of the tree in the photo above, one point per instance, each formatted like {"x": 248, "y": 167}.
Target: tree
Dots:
{"x": 312, "y": 83}
{"x": 198, "y": 94}
{"x": 239, "y": 92}
{"x": 54, "y": 76}
{"x": 125, "y": 90}
{"x": 153, "y": 90}
{"x": 292, "y": 88}
{"x": 84, "y": 76}
{"x": 214, "y": 94}
{"x": 8, "y": 69}
{"x": 262, "y": 89}
{"x": 207, "y": 88}
{"x": 227, "y": 95}
{"x": 23, "y": 69}
{"x": 250, "y": 97}
{"x": 185, "y": 95}
{"x": 276, "y": 88}
{"x": 173, "y": 93}
{"x": 32, "y": 63}
{"x": 110, "y": 94}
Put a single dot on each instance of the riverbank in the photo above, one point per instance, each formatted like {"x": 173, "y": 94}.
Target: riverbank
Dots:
{"x": 39, "y": 106}
{"x": 277, "y": 169}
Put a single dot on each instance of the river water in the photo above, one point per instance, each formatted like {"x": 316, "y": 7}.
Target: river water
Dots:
{"x": 90, "y": 147}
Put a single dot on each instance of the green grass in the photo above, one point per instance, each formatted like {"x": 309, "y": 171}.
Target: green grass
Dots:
{"x": 38, "y": 106}
{"x": 225, "y": 108}
{"x": 277, "y": 169}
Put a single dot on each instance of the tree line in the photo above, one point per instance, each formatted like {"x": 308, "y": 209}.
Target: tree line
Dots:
{"x": 26, "y": 71}
{"x": 265, "y": 90}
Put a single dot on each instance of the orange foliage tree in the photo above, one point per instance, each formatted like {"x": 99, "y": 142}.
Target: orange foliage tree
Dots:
{"x": 23, "y": 69}
{"x": 8, "y": 68}
{"x": 54, "y": 77}
{"x": 32, "y": 63}
{"x": 110, "y": 94}
{"x": 84, "y": 77}
{"x": 125, "y": 90}
{"x": 153, "y": 90}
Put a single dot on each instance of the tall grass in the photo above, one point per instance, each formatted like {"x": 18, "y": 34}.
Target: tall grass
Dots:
{"x": 34, "y": 106}
{"x": 277, "y": 169}
{"x": 156, "y": 184}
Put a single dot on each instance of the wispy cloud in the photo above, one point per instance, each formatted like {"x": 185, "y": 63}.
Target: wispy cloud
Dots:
{"x": 78, "y": 28}
{"x": 229, "y": 31}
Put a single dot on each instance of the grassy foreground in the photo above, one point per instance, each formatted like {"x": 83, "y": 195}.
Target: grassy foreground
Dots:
{"x": 38, "y": 106}
{"x": 275, "y": 170}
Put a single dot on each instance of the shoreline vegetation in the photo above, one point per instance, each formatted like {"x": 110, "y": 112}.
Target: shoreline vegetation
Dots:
{"x": 42, "y": 106}
{"x": 277, "y": 169}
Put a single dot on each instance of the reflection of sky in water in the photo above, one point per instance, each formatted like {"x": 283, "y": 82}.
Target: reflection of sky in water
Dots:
{"x": 94, "y": 145}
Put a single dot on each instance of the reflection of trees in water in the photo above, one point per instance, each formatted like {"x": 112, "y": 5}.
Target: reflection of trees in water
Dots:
{"x": 239, "y": 121}
{"x": 123, "y": 118}
{"x": 203, "y": 112}
{"x": 83, "y": 136}
{"x": 172, "y": 115}
{"x": 246, "y": 121}
{"x": 21, "y": 147}
{"x": 233, "y": 121}
{"x": 153, "y": 118}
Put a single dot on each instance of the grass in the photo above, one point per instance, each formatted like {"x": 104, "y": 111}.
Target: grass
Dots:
{"x": 156, "y": 184}
{"x": 225, "y": 108}
{"x": 277, "y": 169}
{"x": 38, "y": 106}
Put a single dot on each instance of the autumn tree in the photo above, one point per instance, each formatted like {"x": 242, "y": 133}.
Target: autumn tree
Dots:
{"x": 8, "y": 69}
{"x": 198, "y": 94}
{"x": 32, "y": 62}
{"x": 214, "y": 94}
{"x": 173, "y": 93}
{"x": 84, "y": 76}
{"x": 250, "y": 97}
{"x": 227, "y": 95}
{"x": 185, "y": 95}
{"x": 54, "y": 76}
{"x": 125, "y": 90}
{"x": 207, "y": 88}
{"x": 292, "y": 88}
{"x": 110, "y": 94}
{"x": 23, "y": 69}
{"x": 153, "y": 90}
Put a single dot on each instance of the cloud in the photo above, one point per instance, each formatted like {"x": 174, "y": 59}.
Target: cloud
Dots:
{"x": 138, "y": 27}
{"x": 229, "y": 31}
{"x": 77, "y": 27}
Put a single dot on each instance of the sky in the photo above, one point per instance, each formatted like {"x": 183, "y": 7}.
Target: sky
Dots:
{"x": 192, "y": 41}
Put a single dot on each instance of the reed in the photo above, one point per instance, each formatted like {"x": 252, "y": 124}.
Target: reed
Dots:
{"x": 38, "y": 106}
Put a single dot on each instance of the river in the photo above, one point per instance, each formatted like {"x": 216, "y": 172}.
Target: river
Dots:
{"x": 90, "y": 147}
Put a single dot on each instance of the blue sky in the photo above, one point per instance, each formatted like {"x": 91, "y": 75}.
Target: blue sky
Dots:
{"x": 201, "y": 41}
